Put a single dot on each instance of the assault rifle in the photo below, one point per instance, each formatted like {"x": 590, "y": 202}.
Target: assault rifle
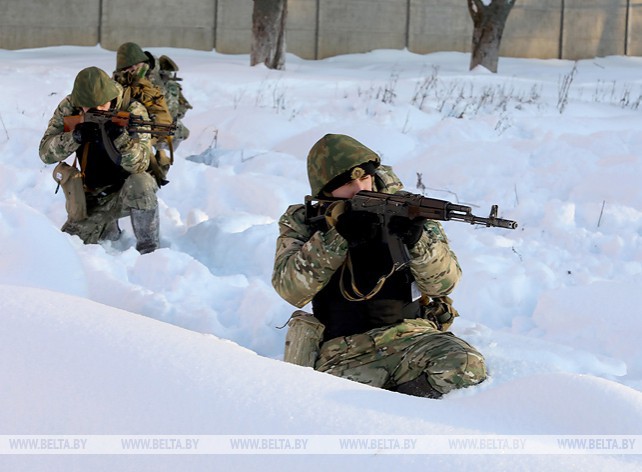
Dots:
{"x": 411, "y": 206}
{"x": 132, "y": 123}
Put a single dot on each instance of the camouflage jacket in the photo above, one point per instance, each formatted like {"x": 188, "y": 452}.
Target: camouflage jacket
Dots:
{"x": 168, "y": 84}
{"x": 176, "y": 101}
{"x": 306, "y": 259}
{"x": 150, "y": 95}
{"x": 56, "y": 144}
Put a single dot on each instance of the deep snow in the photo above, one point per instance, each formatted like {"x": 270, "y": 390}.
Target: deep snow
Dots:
{"x": 554, "y": 305}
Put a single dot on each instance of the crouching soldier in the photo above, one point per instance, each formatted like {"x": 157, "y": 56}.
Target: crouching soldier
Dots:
{"x": 176, "y": 101}
{"x": 132, "y": 68}
{"x": 374, "y": 324}
{"x": 112, "y": 181}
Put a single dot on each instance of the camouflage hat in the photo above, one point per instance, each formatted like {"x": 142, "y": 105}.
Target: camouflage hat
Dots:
{"x": 129, "y": 54}
{"x": 333, "y": 155}
{"x": 93, "y": 87}
{"x": 166, "y": 64}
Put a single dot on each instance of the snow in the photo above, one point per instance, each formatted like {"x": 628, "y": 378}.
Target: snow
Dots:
{"x": 99, "y": 340}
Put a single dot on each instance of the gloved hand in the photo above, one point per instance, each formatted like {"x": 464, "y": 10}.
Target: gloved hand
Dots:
{"x": 409, "y": 231}
{"x": 358, "y": 227}
{"x": 440, "y": 310}
{"x": 334, "y": 211}
{"x": 86, "y": 132}
{"x": 113, "y": 130}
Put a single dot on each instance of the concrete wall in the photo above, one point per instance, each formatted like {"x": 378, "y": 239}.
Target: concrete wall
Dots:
{"x": 594, "y": 28}
{"x": 233, "y": 26}
{"x": 37, "y": 23}
{"x": 533, "y": 29}
{"x": 150, "y": 23}
{"x": 567, "y": 29}
{"x": 634, "y": 44}
{"x": 361, "y": 25}
{"x": 302, "y": 28}
{"x": 439, "y": 25}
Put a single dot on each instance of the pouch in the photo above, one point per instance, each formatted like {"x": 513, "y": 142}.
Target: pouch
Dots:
{"x": 303, "y": 339}
{"x": 70, "y": 179}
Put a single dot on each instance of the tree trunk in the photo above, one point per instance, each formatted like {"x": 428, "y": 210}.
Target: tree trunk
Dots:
{"x": 488, "y": 28}
{"x": 268, "y": 33}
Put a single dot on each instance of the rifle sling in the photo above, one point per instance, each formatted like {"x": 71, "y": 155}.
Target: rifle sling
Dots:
{"x": 358, "y": 296}
{"x": 83, "y": 160}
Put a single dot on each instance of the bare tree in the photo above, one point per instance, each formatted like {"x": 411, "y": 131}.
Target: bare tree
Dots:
{"x": 489, "y": 18}
{"x": 268, "y": 33}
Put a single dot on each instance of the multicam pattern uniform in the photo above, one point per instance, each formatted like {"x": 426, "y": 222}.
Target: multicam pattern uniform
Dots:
{"x": 384, "y": 357}
{"x": 167, "y": 82}
{"x": 139, "y": 188}
{"x": 178, "y": 106}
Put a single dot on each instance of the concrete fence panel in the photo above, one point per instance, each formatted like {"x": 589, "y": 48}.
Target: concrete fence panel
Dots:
{"x": 594, "y": 28}
{"x": 234, "y": 26}
{"x": 158, "y": 23}
{"x": 439, "y": 25}
{"x": 634, "y": 36}
{"x": 38, "y": 23}
{"x": 361, "y": 25}
{"x": 533, "y": 29}
{"x": 302, "y": 28}
{"x": 565, "y": 29}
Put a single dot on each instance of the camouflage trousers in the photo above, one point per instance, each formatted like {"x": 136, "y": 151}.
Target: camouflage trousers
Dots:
{"x": 138, "y": 192}
{"x": 389, "y": 356}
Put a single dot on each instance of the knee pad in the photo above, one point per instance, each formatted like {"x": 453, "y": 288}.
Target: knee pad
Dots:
{"x": 458, "y": 368}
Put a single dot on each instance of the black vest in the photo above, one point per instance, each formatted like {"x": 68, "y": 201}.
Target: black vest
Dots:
{"x": 100, "y": 170}
{"x": 390, "y": 305}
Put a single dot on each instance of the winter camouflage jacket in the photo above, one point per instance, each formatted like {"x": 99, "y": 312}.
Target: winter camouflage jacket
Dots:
{"x": 306, "y": 258}
{"x": 56, "y": 144}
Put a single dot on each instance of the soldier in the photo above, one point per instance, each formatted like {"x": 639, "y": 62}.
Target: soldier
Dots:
{"x": 176, "y": 101}
{"x": 379, "y": 326}
{"x": 162, "y": 73}
{"x": 132, "y": 66}
{"x": 106, "y": 191}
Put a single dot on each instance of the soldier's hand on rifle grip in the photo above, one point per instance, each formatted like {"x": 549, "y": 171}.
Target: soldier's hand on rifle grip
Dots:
{"x": 334, "y": 210}
{"x": 114, "y": 130}
{"x": 86, "y": 132}
{"x": 409, "y": 231}
{"x": 358, "y": 227}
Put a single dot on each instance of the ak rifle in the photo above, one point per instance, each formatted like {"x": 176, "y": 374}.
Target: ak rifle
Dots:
{"x": 132, "y": 123}
{"x": 411, "y": 206}
{"x": 124, "y": 119}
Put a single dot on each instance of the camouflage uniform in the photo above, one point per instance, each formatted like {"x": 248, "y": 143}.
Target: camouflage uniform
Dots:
{"x": 93, "y": 87}
{"x": 140, "y": 88}
{"x": 162, "y": 74}
{"x": 389, "y": 355}
{"x": 176, "y": 101}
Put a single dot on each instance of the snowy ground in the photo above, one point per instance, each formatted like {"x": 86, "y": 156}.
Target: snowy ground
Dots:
{"x": 554, "y": 306}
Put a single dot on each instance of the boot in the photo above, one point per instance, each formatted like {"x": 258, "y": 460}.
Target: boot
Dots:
{"x": 111, "y": 232}
{"x": 419, "y": 387}
{"x": 145, "y": 224}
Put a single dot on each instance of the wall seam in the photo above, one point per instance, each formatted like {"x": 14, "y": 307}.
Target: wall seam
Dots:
{"x": 215, "y": 26}
{"x": 407, "y": 38}
{"x": 317, "y": 25}
{"x": 560, "y": 52}
{"x": 100, "y": 22}
{"x": 627, "y": 26}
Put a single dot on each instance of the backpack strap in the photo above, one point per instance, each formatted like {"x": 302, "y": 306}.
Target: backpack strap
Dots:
{"x": 127, "y": 98}
{"x": 83, "y": 160}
